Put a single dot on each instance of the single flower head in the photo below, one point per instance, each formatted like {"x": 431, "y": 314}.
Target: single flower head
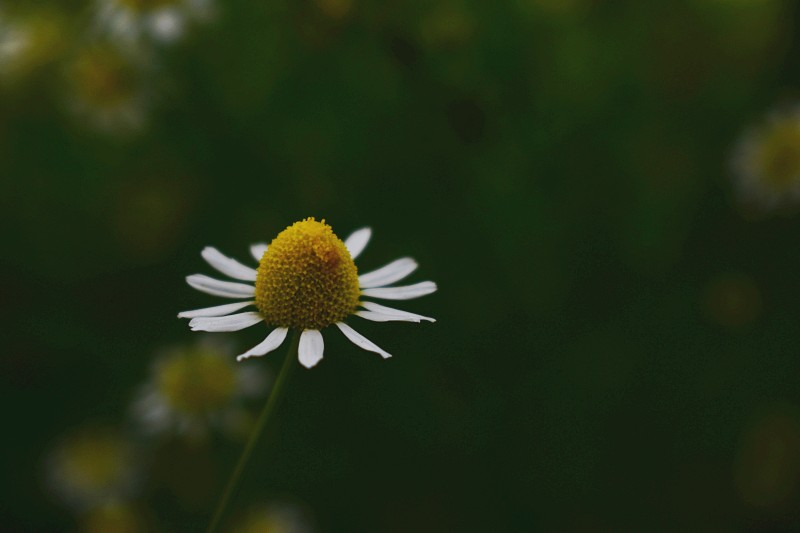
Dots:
{"x": 306, "y": 279}
{"x": 108, "y": 88}
{"x": 197, "y": 388}
{"x": 92, "y": 466}
{"x": 766, "y": 163}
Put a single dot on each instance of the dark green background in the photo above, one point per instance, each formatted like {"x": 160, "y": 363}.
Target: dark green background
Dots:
{"x": 562, "y": 175}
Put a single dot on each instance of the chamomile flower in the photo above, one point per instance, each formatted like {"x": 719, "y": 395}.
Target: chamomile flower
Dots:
{"x": 163, "y": 21}
{"x": 197, "y": 388}
{"x": 92, "y": 467}
{"x": 306, "y": 279}
{"x": 766, "y": 163}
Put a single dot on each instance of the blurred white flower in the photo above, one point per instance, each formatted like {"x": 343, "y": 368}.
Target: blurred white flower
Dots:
{"x": 28, "y": 43}
{"x": 766, "y": 163}
{"x": 109, "y": 88}
{"x": 197, "y": 388}
{"x": 162, "y": 21}
{"x": 91, "y": 467}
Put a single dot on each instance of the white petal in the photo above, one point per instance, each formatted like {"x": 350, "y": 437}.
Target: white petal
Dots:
{"x": 357, "y": 241}
{"x": 311, "y": 347}
{"x": 225, "y": 323}
{"x": 228, "y": 266}
{"x": 273, "y": 341}
{"x": 361, "y": 341}
{"x": 389, "y": 314}
{"x": 382, "y": 309}
{"x": 218, "y": 310}
{"x": 378, "y": 317}
{"x": 257, "y": 250}
{"x": 402, "y": 293}
{"x": 394, "y": 271}
{"x": 220, "y": 288}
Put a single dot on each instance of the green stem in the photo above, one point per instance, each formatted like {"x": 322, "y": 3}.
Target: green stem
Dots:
{"x": 266, "y": 413}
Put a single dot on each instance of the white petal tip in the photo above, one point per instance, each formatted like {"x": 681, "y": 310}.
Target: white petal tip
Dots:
{"x": 357, "y": 241}
{"x": 273, "y": 340}
{"x": 361, "y": 341}
{"x": 311, "y": 347}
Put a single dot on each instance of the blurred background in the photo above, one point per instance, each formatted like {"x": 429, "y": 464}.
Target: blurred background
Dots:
{"x": 605, "y": 192}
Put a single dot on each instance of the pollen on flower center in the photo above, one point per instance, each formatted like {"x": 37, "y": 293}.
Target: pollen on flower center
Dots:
{"x": 306, "y": 279}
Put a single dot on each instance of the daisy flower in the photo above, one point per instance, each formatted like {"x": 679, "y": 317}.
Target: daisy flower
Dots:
{"x": 766, "y": 162}
{"x": 196, "y": 388}
{"x": 163, "y": 21}
{"x": 306, "y": 279}
{"x": 92, "y": 467}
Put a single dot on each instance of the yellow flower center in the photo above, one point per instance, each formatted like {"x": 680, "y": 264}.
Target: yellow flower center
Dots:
{"x": 779, "y": 156}
{"x": 96, "y": 460}
{"x": 197, "y": 382}
{"x": 306, "y": 279}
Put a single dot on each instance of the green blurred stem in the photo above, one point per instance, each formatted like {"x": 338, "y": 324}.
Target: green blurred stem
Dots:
{"x": 266, "y": 414}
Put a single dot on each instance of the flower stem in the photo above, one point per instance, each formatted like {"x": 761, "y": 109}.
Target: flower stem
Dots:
{"x": 266, "y": 413}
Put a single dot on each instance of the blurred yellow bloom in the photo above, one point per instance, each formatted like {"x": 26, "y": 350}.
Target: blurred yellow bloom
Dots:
{"x": 306, "y": 279}
{"x": 28, "y": 43}
{"x": 197, "y": 388}
{"x": 108, "y": 88}
{"x": 91, "y": 467}
{"x": 732, "y": 300}
{"x": 766, "y": 163}
{"x": 114, "y": 518}
{"x": 447, "y": 25}
{"x": 768, "y": 464}
{"x": 335, "y": 9}
{"x": 275, "y": 518}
